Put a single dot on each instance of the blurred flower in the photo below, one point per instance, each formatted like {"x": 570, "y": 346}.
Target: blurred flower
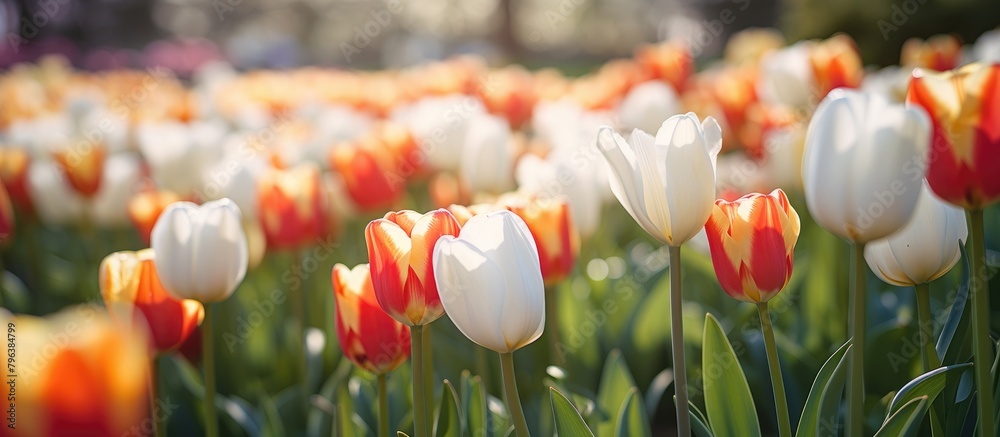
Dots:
{"x": 552, "y": 229}
{"x": 367, "y": 176}
{"x": 144, "y": 209}
{"x": 134, "y": 296}
{"x": 6, "y": 215}
{"x": 78, "y": 375}
{"x": 892, "y": 82}
{"x": 923, "y": 250}
{"x": 487, "y": 165}
{"x": 399, "y": 252}
{"x": 786, "y": 76}
{"x": 752, "y": 240}
{"x": 178, "y": 154}
{"x": 293, "y": 209}
{"x": 509, "y": 93}
{"x": 54, "y": 200}
{"x": 122, "y": 173}
{"x": 646, "y": 106}
{"x": 965, "y": 147}
{"x": 439, "y": 126}
{"x": 836, "y": 63}
{"x": 666, "y": 183}
{"x": 862, "y": 164}
{"x": 669, "y": 60}
{"x": 749, "y": 46}
{"x": 82, "y": 167}
{"x": 939, "y": 53}
{"x": 491, "y": 282}
{"x": 14, "y": 164}
{"x": 987, "y": 47}
{"x": 201, "y": 251}
{"x": 464, "y": 213}
{"x": 368, "y": 336}
{"x": 560, "y": 178}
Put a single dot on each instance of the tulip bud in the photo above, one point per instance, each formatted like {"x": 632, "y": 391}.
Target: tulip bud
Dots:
{"x": 552, "y": 229}
{"x": 78, "y": 374}
{"x": 134, "y": 295}
{"x": 861, "y": 165}
{"x": 752, "y": 240}
{"x": 923, "y": 250}
{"x": 666, "y": 183}
{"x": 201, "y": 251}
{"x": 399, "y": 252}
{"x": 369, "y": 337}
{"x": 292, "y": 206}
{"x": 491, "y": 282}
{"x": 964, "y": 106}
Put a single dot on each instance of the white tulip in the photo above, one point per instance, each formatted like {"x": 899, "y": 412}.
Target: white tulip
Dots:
{"x": 122, "y": 174}
{"x": 201, "y": 251}
{"x": 986, "y": 48}
{"x": 178, "y": 153}
{"x": 554, "y": 177}
{"x": 863, "y": 164}
{"x": 923, "y": 250}
{"x": 646, "y": 106}
{"x": 439, "y": 125}
{"x": 487, "y": 164}
{"x": 786, "y": 76}
{"x": 666, "y": 183}
{"x": 490, "y": 281}
{"x": 56, "y": 202}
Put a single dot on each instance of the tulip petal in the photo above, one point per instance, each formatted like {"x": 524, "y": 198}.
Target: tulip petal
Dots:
{"x": 622, "y": 177}
{"x": 472, "y": 291}
{"x": 389, "y": 250}
{"x": 689, "y": 180}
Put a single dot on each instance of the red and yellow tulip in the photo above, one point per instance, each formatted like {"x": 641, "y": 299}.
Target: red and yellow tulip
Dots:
{"x": 145, "y": 207}
{"x": 400, "y": 246}
{"x": 368, "y": 175}
{"x": 752, "y": 240}
{"x": 836, "y": 63}
{"x": 14, "y": 163}
{"x": 939, "y": 53}
{"x": 292, "y": 206}
{"x": 133, "y": 293}
{"x": 83, "y": 167}
{"x": 369, "y": 337}
{"x": 964, "y": 106}
{"x": 552, "y": 228}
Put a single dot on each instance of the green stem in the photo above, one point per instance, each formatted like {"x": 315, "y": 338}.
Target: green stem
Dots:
{"x": 417, "y": 364}
{"x": 159, "y": 426}
{"x": 383, "y": 407}
{"x": 552, "y": 326}
{"x": 982, "y": 358}
{"x": 513, "y": 401}
{"x": 856, "y": 369}
{"x": 780, "y": 402}
{"x": 299, "y": 312}
{"x": 208, "y": 361}
{"x": 428, "y": 376}
{"x": 677, "y": 344}
{"x": 929, "y": 358}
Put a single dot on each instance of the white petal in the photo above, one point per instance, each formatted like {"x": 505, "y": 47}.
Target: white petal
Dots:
{"x": 472, "y": 291}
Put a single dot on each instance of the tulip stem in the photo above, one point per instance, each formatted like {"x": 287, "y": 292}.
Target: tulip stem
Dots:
{"x": 208, "y": 361}
{"x": 428, "y": 373}
{"x": 929, "y": 358}
{"x": 552, "y": 326}
{"x": 677, "y": 344}
{"x": 855, "y": 371}
{"x": 780, "y": 402}
{"x": 383, "y": 407}
{"x": 981, "y": 343}
{"x": 159, "y": 426}
{"x": 417, "y": 364}
{"x": 513, "y": 401}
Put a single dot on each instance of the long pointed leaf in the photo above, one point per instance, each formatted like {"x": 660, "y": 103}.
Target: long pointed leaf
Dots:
{"x": 568, "y": 421}
{"x": 730, "y": 406}
{"x": 928, "y": 385}
{"x": 632, "y": 420}
{"x": 812, "y": 419}
{"x": 906, "y": 421}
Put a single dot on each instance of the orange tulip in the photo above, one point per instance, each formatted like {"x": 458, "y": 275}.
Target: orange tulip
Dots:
{"x": 964, "y": 106}
{"x": 939, "y": 53}
{"x": 78, "y": 375}
{"x": 292, "y": 207}
{"x": 14, "y": 163}
{"x": 83, "y": 167}
{"x": 509, "y": 93}
{"x": 463, "y": 213}
{"x": 399, "y": 250}
{"x": 134, "y": 295}
{"x": 368, "y": 336}
{"x": 367, "y": 175}
{"x": 670, "y": 61}
{"x": 556, "y": 237}
{"x": 145, "y": 207}
{"x": 752, "y": 240}
{"x": 836, "y": 63}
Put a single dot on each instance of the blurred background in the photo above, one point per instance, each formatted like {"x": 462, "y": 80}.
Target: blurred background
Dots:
{"x": 567, "y": 34}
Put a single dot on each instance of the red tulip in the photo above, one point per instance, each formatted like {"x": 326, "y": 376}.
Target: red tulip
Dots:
{"x": 399, "y": 250}
{"x": 939, "y": 53}
{"x": 369, "y": 337}
{"x": 292, "y": 206}
{"x": 836, "y": 63}
{"x": 556, "y": 237}
{"x": 964, "y": 106}
{"x": 752, "y": 240}
{"x": 14, "y": 163}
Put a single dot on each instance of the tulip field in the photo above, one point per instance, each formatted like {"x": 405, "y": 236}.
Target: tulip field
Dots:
{"x": 782, "y": 242}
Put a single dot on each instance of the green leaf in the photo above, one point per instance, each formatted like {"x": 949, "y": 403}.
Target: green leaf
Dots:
{"x": 906, "y": 421}
{"x": 826, "y": 390}
{"x": 656, "y": 389}
{"x": 616, "y": 381}
{"x": 568, "y": 421}
{"x": 730, "y": 406}
{"x": 950, "y": 340}
{"x": 401, "y": 434}
{"x": 699, "y": 423}
{"x": 632, "y": 420}
{"x": 499, "y": 419}
{"x": 926, "y": 386}
{"x": 231, "y": 407}
{"x": 449, "y": 420}
{"x": 474, "y": 404}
